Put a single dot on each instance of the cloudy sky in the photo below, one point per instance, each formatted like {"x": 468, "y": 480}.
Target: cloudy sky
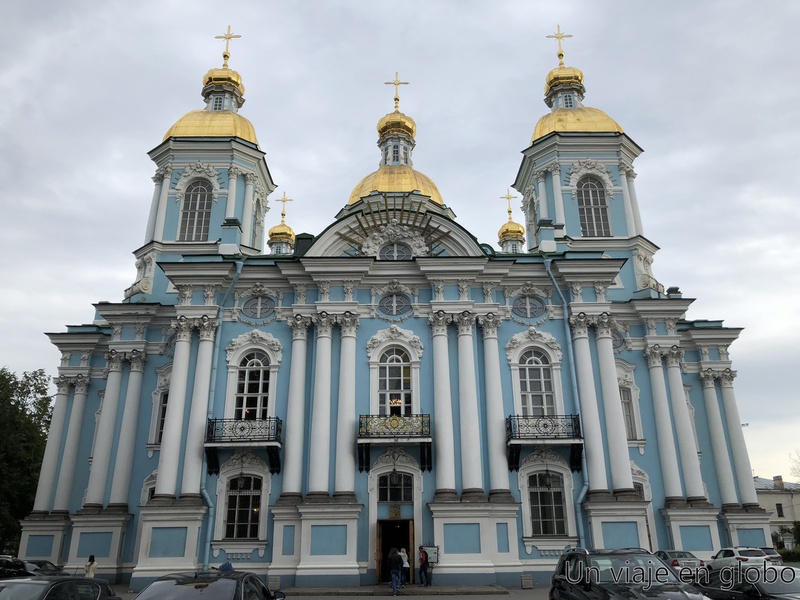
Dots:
{"x": 710, "y": 90}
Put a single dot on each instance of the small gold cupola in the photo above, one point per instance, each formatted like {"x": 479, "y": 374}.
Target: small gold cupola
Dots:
{"x": 223, "y": 93}
{"x": 396, "y": 174}
{"x": 564, "y": 92}
{"x": 281, "y": 237}
{"x": 511, "y": 236}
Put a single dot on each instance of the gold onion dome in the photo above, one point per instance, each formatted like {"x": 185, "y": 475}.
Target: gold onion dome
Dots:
{"x": 511, "y": 229}
{"x": 397, "y": 122}
{"x": 281, "y": 232}
{"x": 398, "y": 179}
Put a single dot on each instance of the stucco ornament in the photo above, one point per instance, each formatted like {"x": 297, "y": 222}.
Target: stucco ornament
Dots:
{"x": 392, "y": 233}
{"x": 532, "y": 335}
{"x": 256, "y": 338}
{"x": 195, "y": 171}
{"x": 392, "y": 334}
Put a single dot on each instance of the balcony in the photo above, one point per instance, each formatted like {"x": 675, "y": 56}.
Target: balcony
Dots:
{"x": 389, "y": 430}
{"x": 244, "y": 433}
{"x": 550, "y": 429}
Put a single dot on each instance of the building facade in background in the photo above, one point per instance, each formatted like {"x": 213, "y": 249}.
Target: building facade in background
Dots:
{"x": 781, "y": 500}
{"x": 391, "y": 381}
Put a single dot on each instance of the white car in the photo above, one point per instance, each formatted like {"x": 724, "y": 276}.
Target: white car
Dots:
{"x": 746, "y": 556}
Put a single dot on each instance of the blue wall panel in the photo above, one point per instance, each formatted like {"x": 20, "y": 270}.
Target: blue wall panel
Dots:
{"x": 329, "y": 540}
{"x": 39, "y": 545}
{"x": 462, "y": 538}
{"x": 168, "y": 541}
{"x": 97, "y": 543}
{"x": 696, "y": 537}
{"x": 624, "y": 534}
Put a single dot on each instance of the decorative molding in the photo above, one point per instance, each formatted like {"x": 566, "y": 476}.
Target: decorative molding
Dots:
{"x": 439, "y": 322}
{"x": 392, "y": 233}
{"x": 256, "y": 338}
{"x": 394, "y": 334}
{"x": 348, "y": 322}
{"x": 324, "y": 324}
{"x": 532, "y": 336}
{"x": 580, "y": 325}
{"x": 489, "y": 324}
{"x": 194, "y": 171}
{"x": 299, "y": 325}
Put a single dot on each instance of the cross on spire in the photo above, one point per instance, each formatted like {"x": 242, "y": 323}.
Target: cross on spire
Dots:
{"x": 508, "y": 197}
{"x": 396, "y": 83}
{"x": 559, "y": 36}
{"x": 284, "y": 200}
{"x": 227, "y": 37}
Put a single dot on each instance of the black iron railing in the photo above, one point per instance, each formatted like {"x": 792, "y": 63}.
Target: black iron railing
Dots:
{"x": 567, "y": 427}
{"x": 384, "y": 426}
{"x": 244, "y": 430}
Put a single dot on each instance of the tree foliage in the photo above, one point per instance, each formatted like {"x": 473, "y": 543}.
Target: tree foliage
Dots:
{"x": 25, "y": 409}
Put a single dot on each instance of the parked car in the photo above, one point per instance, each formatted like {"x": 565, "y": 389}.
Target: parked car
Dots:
{"x": 208, "y": 585}
{"x": 14, "y": 568}
{"x": 624, "y": 574}
{"x": 774, "y": 556}
{"x": 783, "y": 584}
{"x": 730, "y": 557}
{"x": 43, "y": 567}
{"x": 56, "y": 588}
{"x": 681, "y": 561}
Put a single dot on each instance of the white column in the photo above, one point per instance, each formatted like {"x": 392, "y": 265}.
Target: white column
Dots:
{"x": 741, "y": 460}
{"x": 70, "y": 457}
{"x": 666, "y": 442}
{"x": 558, "y": 200}
{"x": 230, "y": 206}
{"x": 616, "y": 437}
{"x": 590, "y": 413}
{"x": 158, "y": 179}
{"x": 167, "y": 480}
{"x": 495, "y": 412}
{"x": 542, "y": 195}
{"x": 101, "y": 457}
{"x": 722, "y": 460}
{"x": 158, "y": 233}
{"x": 198, "y": 415}
{"x": 47, "y": 474}
{"x": 294, "y": 428}
{"x": 637, "y": 217}
{"x": 319, "y": 460}
{"x": 471, "y": 464}
{"x": 247, "y": 215}
{"x": 345, "y": 476}
{"x": 630, "y": 220}
{"x": 443, "y": 436}
{"x": 121, "y": 480}
{"x": 692, "y": 478}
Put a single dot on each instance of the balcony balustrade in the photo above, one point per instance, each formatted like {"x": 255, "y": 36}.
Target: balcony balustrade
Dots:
{"x": 544, "y": 429}
{"x": 391, "y": 430}
{"x": 241, "y": 433}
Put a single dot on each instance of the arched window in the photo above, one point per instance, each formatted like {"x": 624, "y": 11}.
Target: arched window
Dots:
{"x": 546, "y": 496}
{"x": 252, "y": 390}
{"x": 396, "y": 487}
{"x": 593, "y": 208}
{"x": 536, "y": 384}
{"x": 196, "y": 212}
{"x": 394, "y": 382}
{"x": 244, "y": 508}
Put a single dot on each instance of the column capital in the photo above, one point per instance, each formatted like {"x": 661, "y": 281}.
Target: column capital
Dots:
{"x": 726, "y": 377}
{"x": 234, "y": 171}
{"x": 62, "y": 383}
{"x": 207, "y": 327}
{"x": 604, "y": 325}
{"x": 674, "y": 356}
{"x": 465, "y": 321}
{"x": 653, "y": 354}
{"x": 162, "y": 173}
{"x": 137, "y": 359}
{"x": 439, "y": 322}
{"x": 580, "y": 325}
{"x": 324, "y": 324}
{"x": 81, "y": 383}
{"x": 299, "y": 325}
{"x": 114, "y": 360}
{"x": 183, "y": 328}
{"x": 250, "y": 178}
{"x": 348, "y": 322}
{"x": 490, "y": 324}
{"x": 708, "y": 376}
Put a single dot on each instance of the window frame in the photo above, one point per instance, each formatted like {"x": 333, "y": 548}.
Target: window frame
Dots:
{"x": 240, "y": 347}
{"x": 242, "y": 396}
{"x": 159, "y": 397}
{"x": 626, "y": 381}
{"x": 377, "y": 346}
{"x": 515, "y": 354}
{"x": 385, "y": 405}
{"x": 185, "y": 227}
{"x": 594, "y": 211}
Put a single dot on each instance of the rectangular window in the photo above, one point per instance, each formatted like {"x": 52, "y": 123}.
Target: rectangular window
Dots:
{"x": 244, "y": 506}
{"x": 162, "y": 416}
{"x": 627, "y": 413}
{"x": 779, "y": 509}
{"x": 395, "y": 153}
{"x": 546, "y": 494}
{"x": 568, "y": 101}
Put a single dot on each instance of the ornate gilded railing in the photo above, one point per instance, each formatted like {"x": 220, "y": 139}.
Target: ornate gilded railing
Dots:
{"x": 566, "y": 427}
{"x": 383, "y": 426}
{"x": 244, "y": 430}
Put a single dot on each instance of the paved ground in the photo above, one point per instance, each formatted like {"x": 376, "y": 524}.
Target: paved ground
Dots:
{"x": 487, "y": 592}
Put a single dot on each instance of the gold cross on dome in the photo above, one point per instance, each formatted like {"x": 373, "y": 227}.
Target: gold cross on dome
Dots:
{"x": 284, "y": 200}
{"x": 559, "y": 36}
{"x": 508, "y": 197}
{"x": 227, "y": 37}
{"x": 396, "y": 83}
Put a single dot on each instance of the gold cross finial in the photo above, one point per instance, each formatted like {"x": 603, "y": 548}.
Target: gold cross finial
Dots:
{"x": 560, "y": 36}
{"x": 227, "y": 37}
{"x": 284, "y": 200}
{"x": 508, "y": 197}
{"x": 396, "y": 83}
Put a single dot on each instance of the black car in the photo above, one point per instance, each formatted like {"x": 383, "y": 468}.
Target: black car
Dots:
{"x": 623, "y": 574}
{"x": 55, "y": 588}
{"x": 746, "y": 583}
{"x": 208, "y": 585}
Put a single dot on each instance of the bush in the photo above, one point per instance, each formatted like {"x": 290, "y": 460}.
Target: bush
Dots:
{"x": 792, "y": 555}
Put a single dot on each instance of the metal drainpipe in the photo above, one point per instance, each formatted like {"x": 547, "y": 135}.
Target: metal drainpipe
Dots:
{"x": 203, "y": 492}
{"x": 574, "y": 382}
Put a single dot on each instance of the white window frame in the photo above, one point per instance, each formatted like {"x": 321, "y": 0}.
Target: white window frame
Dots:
{"x": 164, "y": 374}
{"x": 532, "y": 339}
{"x": 385, "y": 408}
{"x": 599, "y": 214}
{"x": 238, "y": 349}
{"x": 202, "y": 232}
{"x": 380, "y": 343}
{"x": 626, "y": 380}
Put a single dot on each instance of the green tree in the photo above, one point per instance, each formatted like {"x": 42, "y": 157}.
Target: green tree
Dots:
{"x": 25, "y": 409}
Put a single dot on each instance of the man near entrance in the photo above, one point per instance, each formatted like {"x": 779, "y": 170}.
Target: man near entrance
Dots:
{"x": 395, "y": 563}
{"x": 424, "y": 577}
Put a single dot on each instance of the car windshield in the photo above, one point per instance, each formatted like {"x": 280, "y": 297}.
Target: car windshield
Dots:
{"x": 20, "y": 590}
{"x": 753, "y": 552}
{"x": 185, "y": 589}
{"x": 682, "y": 555}
{"x": 631, "y": 569}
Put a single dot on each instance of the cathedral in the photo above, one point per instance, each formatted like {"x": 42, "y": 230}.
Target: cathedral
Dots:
{"x": 298, "y": 404}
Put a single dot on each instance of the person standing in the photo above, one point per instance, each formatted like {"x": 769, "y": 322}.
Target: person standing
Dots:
{"x": 406, "y": 567}
{"x": 424, "y": 578}
{"x": 395, "y": 563}
{"x": 90, "y": 568}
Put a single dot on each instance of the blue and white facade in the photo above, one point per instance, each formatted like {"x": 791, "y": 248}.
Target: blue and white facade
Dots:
{"x": 391, "y": 381}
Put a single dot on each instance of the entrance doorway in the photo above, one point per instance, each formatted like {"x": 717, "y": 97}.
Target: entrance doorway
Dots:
{"x": 394, "y": 533}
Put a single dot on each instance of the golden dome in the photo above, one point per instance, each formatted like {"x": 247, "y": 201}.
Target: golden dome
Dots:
{"x": 397, "y": 122}
{"x": 563, "y": 75}
{"x": 213, "y": 123}
{"x": 281, "y": 232}
{"x": 578, "y": 120}
{"x": 511, "y": 230}
{"x": 396, "y": 178}
{"x": 224, "y": 76}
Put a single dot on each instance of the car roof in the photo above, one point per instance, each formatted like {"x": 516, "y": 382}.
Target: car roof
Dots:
{"x": 188, "y": 576}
